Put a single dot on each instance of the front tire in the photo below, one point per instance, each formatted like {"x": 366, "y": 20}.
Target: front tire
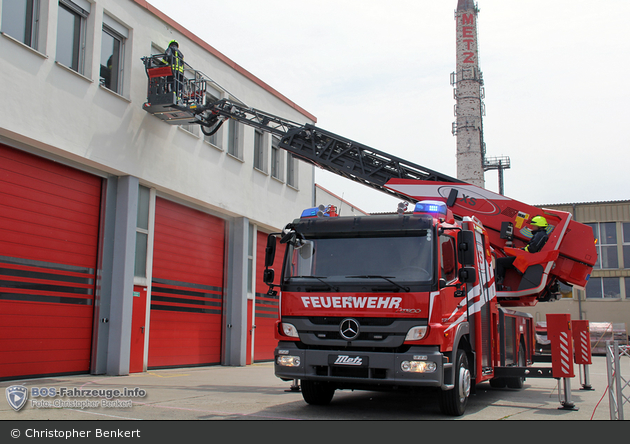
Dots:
{"x": 453, "y": 402}
{"x": 317, "y": 392}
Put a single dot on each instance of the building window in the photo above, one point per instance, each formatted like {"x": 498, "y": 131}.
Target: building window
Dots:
{"x": 292, "y": 165}
{"x": 142, "y": 232}
{"x": 626, "y": 244}
{"x": 260, "y": 152}
{"x": 214, "y": 139}
{"x": 606, "y": 235}
{"x": 627, "y": 282}
{"x": 603, "y": 287}
{"x": 250, "y": 258}
{"x": 234, "y": 139}
{"x": 112, "y": 54}
{"x": 71, "y": 34}
{"x": 20, "y": 20}
{"x": 276, "y": 159}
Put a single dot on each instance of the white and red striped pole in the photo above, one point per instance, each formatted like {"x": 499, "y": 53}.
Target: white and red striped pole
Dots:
{"x": 559, "y": 333}
{"x": 582, "y": 342}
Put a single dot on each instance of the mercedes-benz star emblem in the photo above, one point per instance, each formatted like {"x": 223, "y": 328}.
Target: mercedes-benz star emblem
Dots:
{"x": 349, "y": 329}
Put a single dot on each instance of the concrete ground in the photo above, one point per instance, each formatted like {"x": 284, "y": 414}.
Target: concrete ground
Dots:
{"x": 254, "y": 393}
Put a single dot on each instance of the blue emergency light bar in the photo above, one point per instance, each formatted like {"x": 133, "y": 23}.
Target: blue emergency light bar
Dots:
{"x": 320, "y": 211}
{"x": 310, "y": 212}
{"x": 431, "y": 207}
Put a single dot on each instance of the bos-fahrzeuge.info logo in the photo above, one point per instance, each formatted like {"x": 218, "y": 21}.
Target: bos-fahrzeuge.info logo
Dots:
{"x": 17, "y": 396}
{"x": 52, "y": 397}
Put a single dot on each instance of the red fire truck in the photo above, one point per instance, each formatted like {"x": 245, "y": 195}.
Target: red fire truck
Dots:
{"x": 400, "y": 301}
{"x": 394, "y": 302}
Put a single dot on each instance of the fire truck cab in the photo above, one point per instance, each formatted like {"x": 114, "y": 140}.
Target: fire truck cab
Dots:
{"x": 392, "y": 302}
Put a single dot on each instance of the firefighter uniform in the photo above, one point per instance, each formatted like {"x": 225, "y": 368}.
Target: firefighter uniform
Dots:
{"x": 175, "y": 59}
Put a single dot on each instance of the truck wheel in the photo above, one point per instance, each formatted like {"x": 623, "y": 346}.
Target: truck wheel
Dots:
{"x": 453, "y": 402}
{"x": 317, "y": 392}
{"x": 498, "y": 383}
{"x": 517, "y": 383}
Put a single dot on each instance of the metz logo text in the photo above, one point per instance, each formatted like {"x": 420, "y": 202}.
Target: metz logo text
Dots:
{"x": 347, "y": 360}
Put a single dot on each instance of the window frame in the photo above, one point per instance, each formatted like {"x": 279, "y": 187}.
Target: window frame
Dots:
{"x": 601, "y": 291}
{"x": 235, "y": 138}
{"x": 276, "y": 159}
{"x": 260, "y": 150}
{"x": 603, "y": 247}
{"x": 145, "y": 230}
{"x": 216, "y": 140}
{"x": 32, "y": 20}
{"x": 118, "y": 35}
{"x": 79, "y": 36}
{"x": 625, "y": 244}
{"x": 292, "y": 170}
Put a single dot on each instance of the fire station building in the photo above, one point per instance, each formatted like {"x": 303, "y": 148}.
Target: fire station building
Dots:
{"x": 127, "y": 243}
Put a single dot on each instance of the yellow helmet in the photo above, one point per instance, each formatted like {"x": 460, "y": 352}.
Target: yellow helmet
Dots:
{"x": 539, "y": 221}
{"x": 173, "y": 41}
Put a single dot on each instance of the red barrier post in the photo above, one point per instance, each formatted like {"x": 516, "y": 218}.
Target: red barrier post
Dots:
{"x": 560, "y": 335}
{"x": 582, "y": 343}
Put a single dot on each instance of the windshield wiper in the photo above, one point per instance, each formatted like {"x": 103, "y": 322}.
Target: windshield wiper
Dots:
{"x": 387, "y": 278}
{"x": 319, "y": 278}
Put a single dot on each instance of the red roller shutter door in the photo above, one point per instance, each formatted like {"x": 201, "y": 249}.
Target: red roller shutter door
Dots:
{"x": 49, "y": 222}
{"x": 187, "y": 287}
{"x": 266, "y": 307}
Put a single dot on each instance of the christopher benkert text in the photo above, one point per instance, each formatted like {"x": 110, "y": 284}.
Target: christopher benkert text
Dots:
{"x": 98, "y": 433}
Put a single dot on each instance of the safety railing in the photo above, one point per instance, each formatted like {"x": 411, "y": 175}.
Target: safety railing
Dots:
{"x": 618, "y": 386}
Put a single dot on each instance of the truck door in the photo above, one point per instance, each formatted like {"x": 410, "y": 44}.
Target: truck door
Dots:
{"x": 484, "y": 329}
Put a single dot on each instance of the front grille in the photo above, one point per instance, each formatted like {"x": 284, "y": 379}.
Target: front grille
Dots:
{"x": 335, "y": 321}
{"x": 361, "y": 337}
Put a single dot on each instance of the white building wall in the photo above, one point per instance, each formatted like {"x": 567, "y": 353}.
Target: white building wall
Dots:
{"x": 51, "y": 108}
{"x": 53, "y": 111}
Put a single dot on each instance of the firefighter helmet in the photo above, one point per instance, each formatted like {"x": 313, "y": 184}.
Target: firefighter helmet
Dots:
{"x": 539, "y": 221}
{"x": 173, "y": 42}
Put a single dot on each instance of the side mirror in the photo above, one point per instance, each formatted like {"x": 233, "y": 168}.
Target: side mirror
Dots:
{"x": 466, "y": 248}
{"x": 268, "y": 276}
{"x": 270, "y": 251}
{"x": 468, "y": 275}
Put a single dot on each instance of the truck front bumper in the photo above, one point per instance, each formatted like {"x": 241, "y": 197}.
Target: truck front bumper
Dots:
{"x": 362, "y": 370}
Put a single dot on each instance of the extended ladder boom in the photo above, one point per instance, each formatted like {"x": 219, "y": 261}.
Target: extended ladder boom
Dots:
{"x": 327, "y": 150}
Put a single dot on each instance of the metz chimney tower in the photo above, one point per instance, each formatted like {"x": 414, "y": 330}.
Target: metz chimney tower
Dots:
{"x": 468, "y": 91}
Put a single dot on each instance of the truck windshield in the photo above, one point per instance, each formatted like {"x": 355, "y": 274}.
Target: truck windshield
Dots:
{"x": 381, "y": 260}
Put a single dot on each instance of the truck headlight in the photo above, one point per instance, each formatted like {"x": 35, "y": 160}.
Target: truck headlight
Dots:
{"x": 288, "y": 361}
{"x": 418, "y": 366}
{"x": 289, "y": 330}
{"x": 416, "y": 333}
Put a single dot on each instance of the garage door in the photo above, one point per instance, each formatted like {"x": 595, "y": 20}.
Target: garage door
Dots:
{"x": 49, "y": 218}
{"x": 266, "y": 306}
{"x": 187, "y": 287}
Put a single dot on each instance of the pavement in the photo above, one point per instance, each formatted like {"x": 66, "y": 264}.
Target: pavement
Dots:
{"x": 254, "y": 393}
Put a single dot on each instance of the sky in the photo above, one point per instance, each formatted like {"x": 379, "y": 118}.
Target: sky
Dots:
{"x": 556, "y": 80}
